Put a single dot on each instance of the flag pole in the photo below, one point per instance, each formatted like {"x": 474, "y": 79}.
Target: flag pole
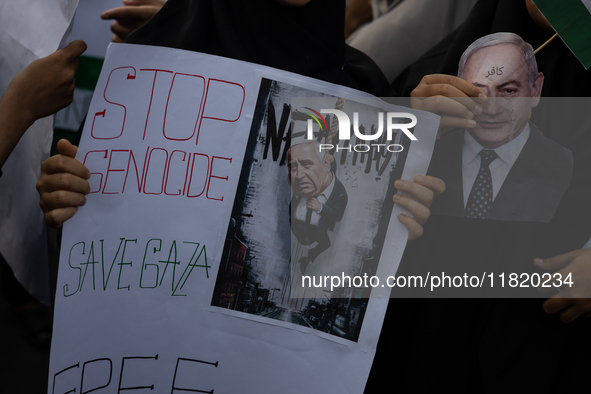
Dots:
{"x": 546, "y": 43}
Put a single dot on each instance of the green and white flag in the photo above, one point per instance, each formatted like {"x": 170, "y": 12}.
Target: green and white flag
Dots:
{"x": 572, "y": 21}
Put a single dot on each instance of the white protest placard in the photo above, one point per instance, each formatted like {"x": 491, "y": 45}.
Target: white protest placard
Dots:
{"x": 138, "y": 305}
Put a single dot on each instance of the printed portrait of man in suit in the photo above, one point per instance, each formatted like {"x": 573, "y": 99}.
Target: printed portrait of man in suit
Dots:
{"x": 319, "y": 199}
{"x": 503, "y": 168}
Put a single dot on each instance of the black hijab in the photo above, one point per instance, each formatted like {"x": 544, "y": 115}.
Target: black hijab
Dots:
{"x": 307, "y": 40}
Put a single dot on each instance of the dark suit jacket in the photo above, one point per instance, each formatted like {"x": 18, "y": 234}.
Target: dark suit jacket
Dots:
{"x": 332, "y": 212}
{"x": 531, "y": 192}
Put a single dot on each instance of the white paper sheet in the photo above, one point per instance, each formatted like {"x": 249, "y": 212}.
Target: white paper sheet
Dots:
{"x": 89, "y": 27}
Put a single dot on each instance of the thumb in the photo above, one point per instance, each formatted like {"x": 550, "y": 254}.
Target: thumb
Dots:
{"x": 74, "y": 49}
{"x": 65, "y": 148}
{"x": 557, "y": 262}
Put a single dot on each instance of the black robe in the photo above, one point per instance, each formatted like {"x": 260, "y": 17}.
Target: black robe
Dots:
{"x": 495, "y": 345}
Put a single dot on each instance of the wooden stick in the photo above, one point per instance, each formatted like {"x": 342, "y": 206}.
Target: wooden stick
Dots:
{"x": 546, "y": 43}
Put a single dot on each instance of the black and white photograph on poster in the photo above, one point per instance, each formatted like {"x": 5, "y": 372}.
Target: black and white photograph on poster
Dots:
{"x": 276, "y": 250}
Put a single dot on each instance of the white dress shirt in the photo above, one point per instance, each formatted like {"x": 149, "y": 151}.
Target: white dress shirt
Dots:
{"x": 302, "y": 209}
{"x": 499, "y": 168}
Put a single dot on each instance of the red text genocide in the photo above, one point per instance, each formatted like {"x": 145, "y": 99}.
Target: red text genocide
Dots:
{"x": 180, "y": 110}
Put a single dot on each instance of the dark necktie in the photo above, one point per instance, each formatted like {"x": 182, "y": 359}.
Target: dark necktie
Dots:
{"x": 481, "y": 195}
{"x": 308, "y": 215}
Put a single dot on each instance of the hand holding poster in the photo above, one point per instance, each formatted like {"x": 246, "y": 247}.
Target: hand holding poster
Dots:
{"x": 138, "y": 304}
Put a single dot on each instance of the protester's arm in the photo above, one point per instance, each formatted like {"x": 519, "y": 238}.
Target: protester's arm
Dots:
{"x": 41, "y": 89}
{"x": 14, "y": 121}
{"x": 455, "y": 100}
{"x": 133, "y": 15}
{"x": 572, "y": 301}
{"x": 63, "y": 185}
{"x": 422, "y": 190}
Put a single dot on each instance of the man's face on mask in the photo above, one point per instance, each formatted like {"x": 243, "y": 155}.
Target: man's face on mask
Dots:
{"x": 502, "y": 73}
